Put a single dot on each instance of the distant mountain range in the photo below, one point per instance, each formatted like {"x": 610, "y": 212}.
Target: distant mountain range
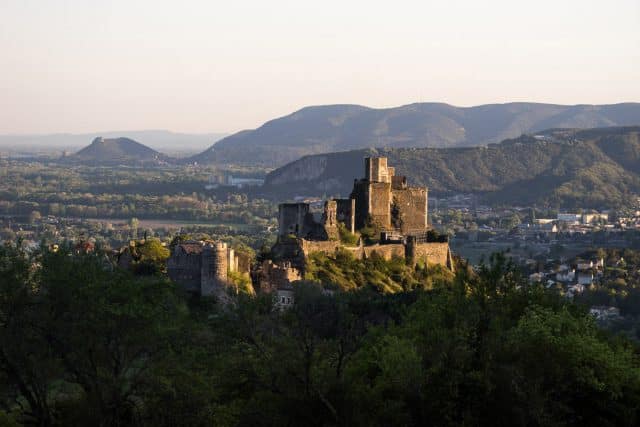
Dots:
{"x": 569, "y": 168}
{"x": 116, "y": 151}
{"x": 330, "y": 128}
{"x": 162, "y": 140}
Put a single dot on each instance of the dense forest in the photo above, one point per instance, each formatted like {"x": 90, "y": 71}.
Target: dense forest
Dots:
{"x": 83, "y": 343}
{"x": 562, "y": 168}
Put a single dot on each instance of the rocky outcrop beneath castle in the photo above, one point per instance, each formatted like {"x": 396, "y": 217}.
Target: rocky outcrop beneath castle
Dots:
{"x": 309, "y": 168}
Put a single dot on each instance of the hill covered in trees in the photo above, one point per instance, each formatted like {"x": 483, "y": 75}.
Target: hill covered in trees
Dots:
{"x": 83, "y": 343}
{"x": 591, "y": 168}
{"x": 114, "y": 151}
{"x": 323, "y": 129}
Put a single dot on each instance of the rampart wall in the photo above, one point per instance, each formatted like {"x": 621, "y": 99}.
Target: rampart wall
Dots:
{"x": 433, "y": 253}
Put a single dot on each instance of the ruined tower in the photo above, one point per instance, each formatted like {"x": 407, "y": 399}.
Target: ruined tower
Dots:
{"x": 293, "y": 219}
{"x": 330, "y": 219}
{"x": 213, "y": 276}
{"x": 346, "y": 213}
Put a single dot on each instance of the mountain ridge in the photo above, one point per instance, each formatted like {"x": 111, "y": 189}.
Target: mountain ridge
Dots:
{"x": 569, "y": 167}
{"x": 343, "y": 127}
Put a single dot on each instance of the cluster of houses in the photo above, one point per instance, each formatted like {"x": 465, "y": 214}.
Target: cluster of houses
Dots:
{"x": 573, "y": 278}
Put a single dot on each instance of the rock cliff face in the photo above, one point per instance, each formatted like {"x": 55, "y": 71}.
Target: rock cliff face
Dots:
{"x": 322, "y": 174}
{"x": 308, "y": 168}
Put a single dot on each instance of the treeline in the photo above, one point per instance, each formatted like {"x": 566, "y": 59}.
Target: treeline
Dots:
{"x": 99, "y": 192}
{"x": 237, "y": 209}
{"x": 82, "y": 343}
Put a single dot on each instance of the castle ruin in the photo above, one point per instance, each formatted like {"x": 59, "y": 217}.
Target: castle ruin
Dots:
{"x": 380, "y": 201}
{"x": 202, "y": 267}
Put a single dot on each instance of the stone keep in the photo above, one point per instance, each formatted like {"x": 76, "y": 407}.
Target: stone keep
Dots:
{"x": 386, "y": 200}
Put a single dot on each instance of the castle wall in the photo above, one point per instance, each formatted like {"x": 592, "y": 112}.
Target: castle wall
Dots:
{"x": 291, "y": 250}
{"x": 379, "y": 198}
{"x": 398, "y": 183}
{"x": 346, "y": 213}
{"x": 243, "y": 263}
{"x": 385, "y": 251}
{"x": 360, "y": 195}
{"x": 277, "y": 276}
{"x": 330, "y": 220}
{"x": 292, "y": 218}
{"x": 232, "y": 261}
{"x": 433, "y": 253}
{"x": 410, "y": 209}
{"x": 185, "y": 269}
{"x": 376, "y": 169}
{"x": 328, "y": 247}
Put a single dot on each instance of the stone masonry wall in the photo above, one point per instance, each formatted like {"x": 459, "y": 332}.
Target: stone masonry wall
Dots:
{"x": 385, "y": 251}
{"x": 346, "y": 213}
{"x": 410, "y": 207}
{"x": 328, "y": 247}
{"x": 434, "y": 253}
{"x": 380, "y": 203}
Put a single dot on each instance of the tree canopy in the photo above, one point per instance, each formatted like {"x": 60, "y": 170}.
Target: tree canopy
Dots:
{"x": 83, "y": 343}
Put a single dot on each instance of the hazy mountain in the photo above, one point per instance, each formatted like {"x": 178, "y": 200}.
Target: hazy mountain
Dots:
{"x": 324, "y": 129}
{"x": 591, "y": 168}
{"x": 163, "y": 140}
{"x": 116, "y": 151}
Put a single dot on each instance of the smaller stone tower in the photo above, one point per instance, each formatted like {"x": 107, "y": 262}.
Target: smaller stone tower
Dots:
{"x": 330, "y": 219}
{"x": 213, "y": 277}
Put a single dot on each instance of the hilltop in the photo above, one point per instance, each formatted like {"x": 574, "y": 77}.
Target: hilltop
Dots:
{"x": 590, "y": 168}
{"x": 116, "y": 151}
{"x": 324, "y": 129}
{"x": 163, "y": 140}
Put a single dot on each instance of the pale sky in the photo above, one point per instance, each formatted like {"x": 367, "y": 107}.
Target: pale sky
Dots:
{"x": 210, "y": 65}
